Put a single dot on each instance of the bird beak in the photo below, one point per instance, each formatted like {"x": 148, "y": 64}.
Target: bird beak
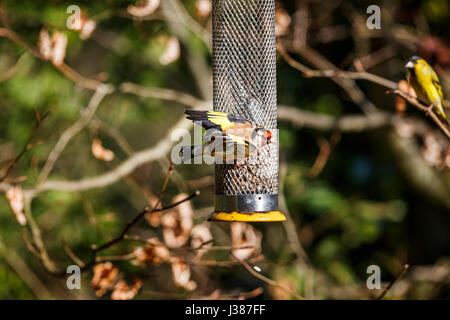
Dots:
{"x": 409, "y": 65}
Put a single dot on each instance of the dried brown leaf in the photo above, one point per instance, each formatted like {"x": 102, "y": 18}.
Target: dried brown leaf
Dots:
{"x": 178, "y": 223}
{"x": 153, "y": 253}
{"x": 282, "y": 20}
{"x": 45, "y": 44}
{"x": 16, "y": 201}
{"x": 100, "y": 152}
{"x": 105, "y": 275}
{"x": 432, "y": 150}
{"x": 59, "y": 44}
{"x": 123, "y": 291}
{"x": 143, "y": 8}
{"x": 182, "y": 275}
{"x": 243, "y": 234}
{"x": 201, "y": 234}
{"x": 171, "y": 52}
{"x": 88, "y": 27}
{"x": 203, "y": 8}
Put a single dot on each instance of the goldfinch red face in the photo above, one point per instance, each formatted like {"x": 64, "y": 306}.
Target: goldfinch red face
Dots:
{"x": 262, "y": 136}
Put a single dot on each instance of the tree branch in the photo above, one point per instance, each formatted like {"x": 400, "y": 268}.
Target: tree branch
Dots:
{"x": 163, "y": 147}
{"x": 444, "y": 128}
{"x": 163, "y": 94}
{"x": 27, "y": 146}
{"x": 72, "y": 131}
{"x": 63, "y": 68}
{"x": 399, "y": 276}
{"x": 265, "y": 279}
{"x": 132, "y": 222}
{"x": 347, "y": 123}
{"x": 336, "y": 74}
{"x": 346, "y": 83}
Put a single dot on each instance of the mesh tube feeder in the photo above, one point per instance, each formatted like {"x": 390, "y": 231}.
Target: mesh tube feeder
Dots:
{"x": 244, "y": 84}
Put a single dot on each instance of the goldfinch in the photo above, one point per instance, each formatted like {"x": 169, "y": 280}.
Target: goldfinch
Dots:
{"x": 425, "y": 83}
{"x": 227, "y": 136}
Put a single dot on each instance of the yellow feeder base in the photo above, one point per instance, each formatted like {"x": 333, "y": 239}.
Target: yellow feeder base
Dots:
{"x": 269, "y": 216}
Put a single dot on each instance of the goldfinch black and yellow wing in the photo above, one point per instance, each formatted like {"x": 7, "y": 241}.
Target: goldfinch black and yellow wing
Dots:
{"x": 217, "y": 120}
{"x": 222, "y": 145}
{"x": 437, "y": 84}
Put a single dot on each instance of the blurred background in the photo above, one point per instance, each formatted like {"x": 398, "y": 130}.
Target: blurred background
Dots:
{"x": 86, "y": 118}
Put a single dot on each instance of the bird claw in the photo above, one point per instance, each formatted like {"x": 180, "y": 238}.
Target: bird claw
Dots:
{"x": 429, "y": 109}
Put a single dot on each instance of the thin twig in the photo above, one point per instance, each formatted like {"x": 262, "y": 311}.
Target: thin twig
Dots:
{"x": 223, "y": 263}
{"x": 163, "y": 147}
{"x": 160, "y": 93}
{"x": 132, "y": 222}
{"x": 346, "y": 123}
{"x": 164, "y": 187}
{"x": 242, "y": 295}
{"x": 40, "y": 248}
{"x": 310, "y": 73}
{"x": 322, "y": 158}
{"x": 444, "y": 128}
{"x": 13, "y": 259}
{"x": 335, "y": 73}
{"x": 135, "y": 238}
{"x": 67, "y": 135}
{"x": 71, "y": 254}
{"x": 216, "y": 295}
{"x": 265, "y": 279}
{"x": 399, "y": 276}
{"x": 49, "y": 265}
{"x": 29, "y": 245}
{"x": 123, "y": 257}
{"x": 5, "y": 75}
{"x": 27, "y": 146}
{"x": 173, "y": 10}
{"x": 114, "y": 134}
{"x": 63, "y": 68}
{"x": 82, "y": 81}
{"x": 346, "y": 83}
{"x": 214, "y": 248}
{"x": 290, "y": 226}
{"x": 11, "y": 35}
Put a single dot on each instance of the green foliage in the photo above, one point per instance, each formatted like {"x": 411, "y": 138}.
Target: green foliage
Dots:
{"x": 436, "y": 10}
{"x": 12, "y": 287}
{"x": 360, "y": 209}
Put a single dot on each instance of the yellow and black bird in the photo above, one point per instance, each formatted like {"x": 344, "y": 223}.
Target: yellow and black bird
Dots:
{"x": 425, "y": 83}
{"x": 227, "y": 136}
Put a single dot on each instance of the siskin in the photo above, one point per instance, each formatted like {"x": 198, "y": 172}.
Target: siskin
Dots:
{"x": 425, "y": 83}
{"x": 226, "y": 135}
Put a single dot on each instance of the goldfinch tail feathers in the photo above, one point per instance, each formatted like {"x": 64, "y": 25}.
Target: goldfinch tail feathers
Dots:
{"x": 442, "y": 113}
{"x": 439, "y": 109}
{"x": 444, "y": 117}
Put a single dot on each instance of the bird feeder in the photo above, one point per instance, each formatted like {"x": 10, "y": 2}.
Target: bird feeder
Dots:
{"x": 244, "y": 84}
